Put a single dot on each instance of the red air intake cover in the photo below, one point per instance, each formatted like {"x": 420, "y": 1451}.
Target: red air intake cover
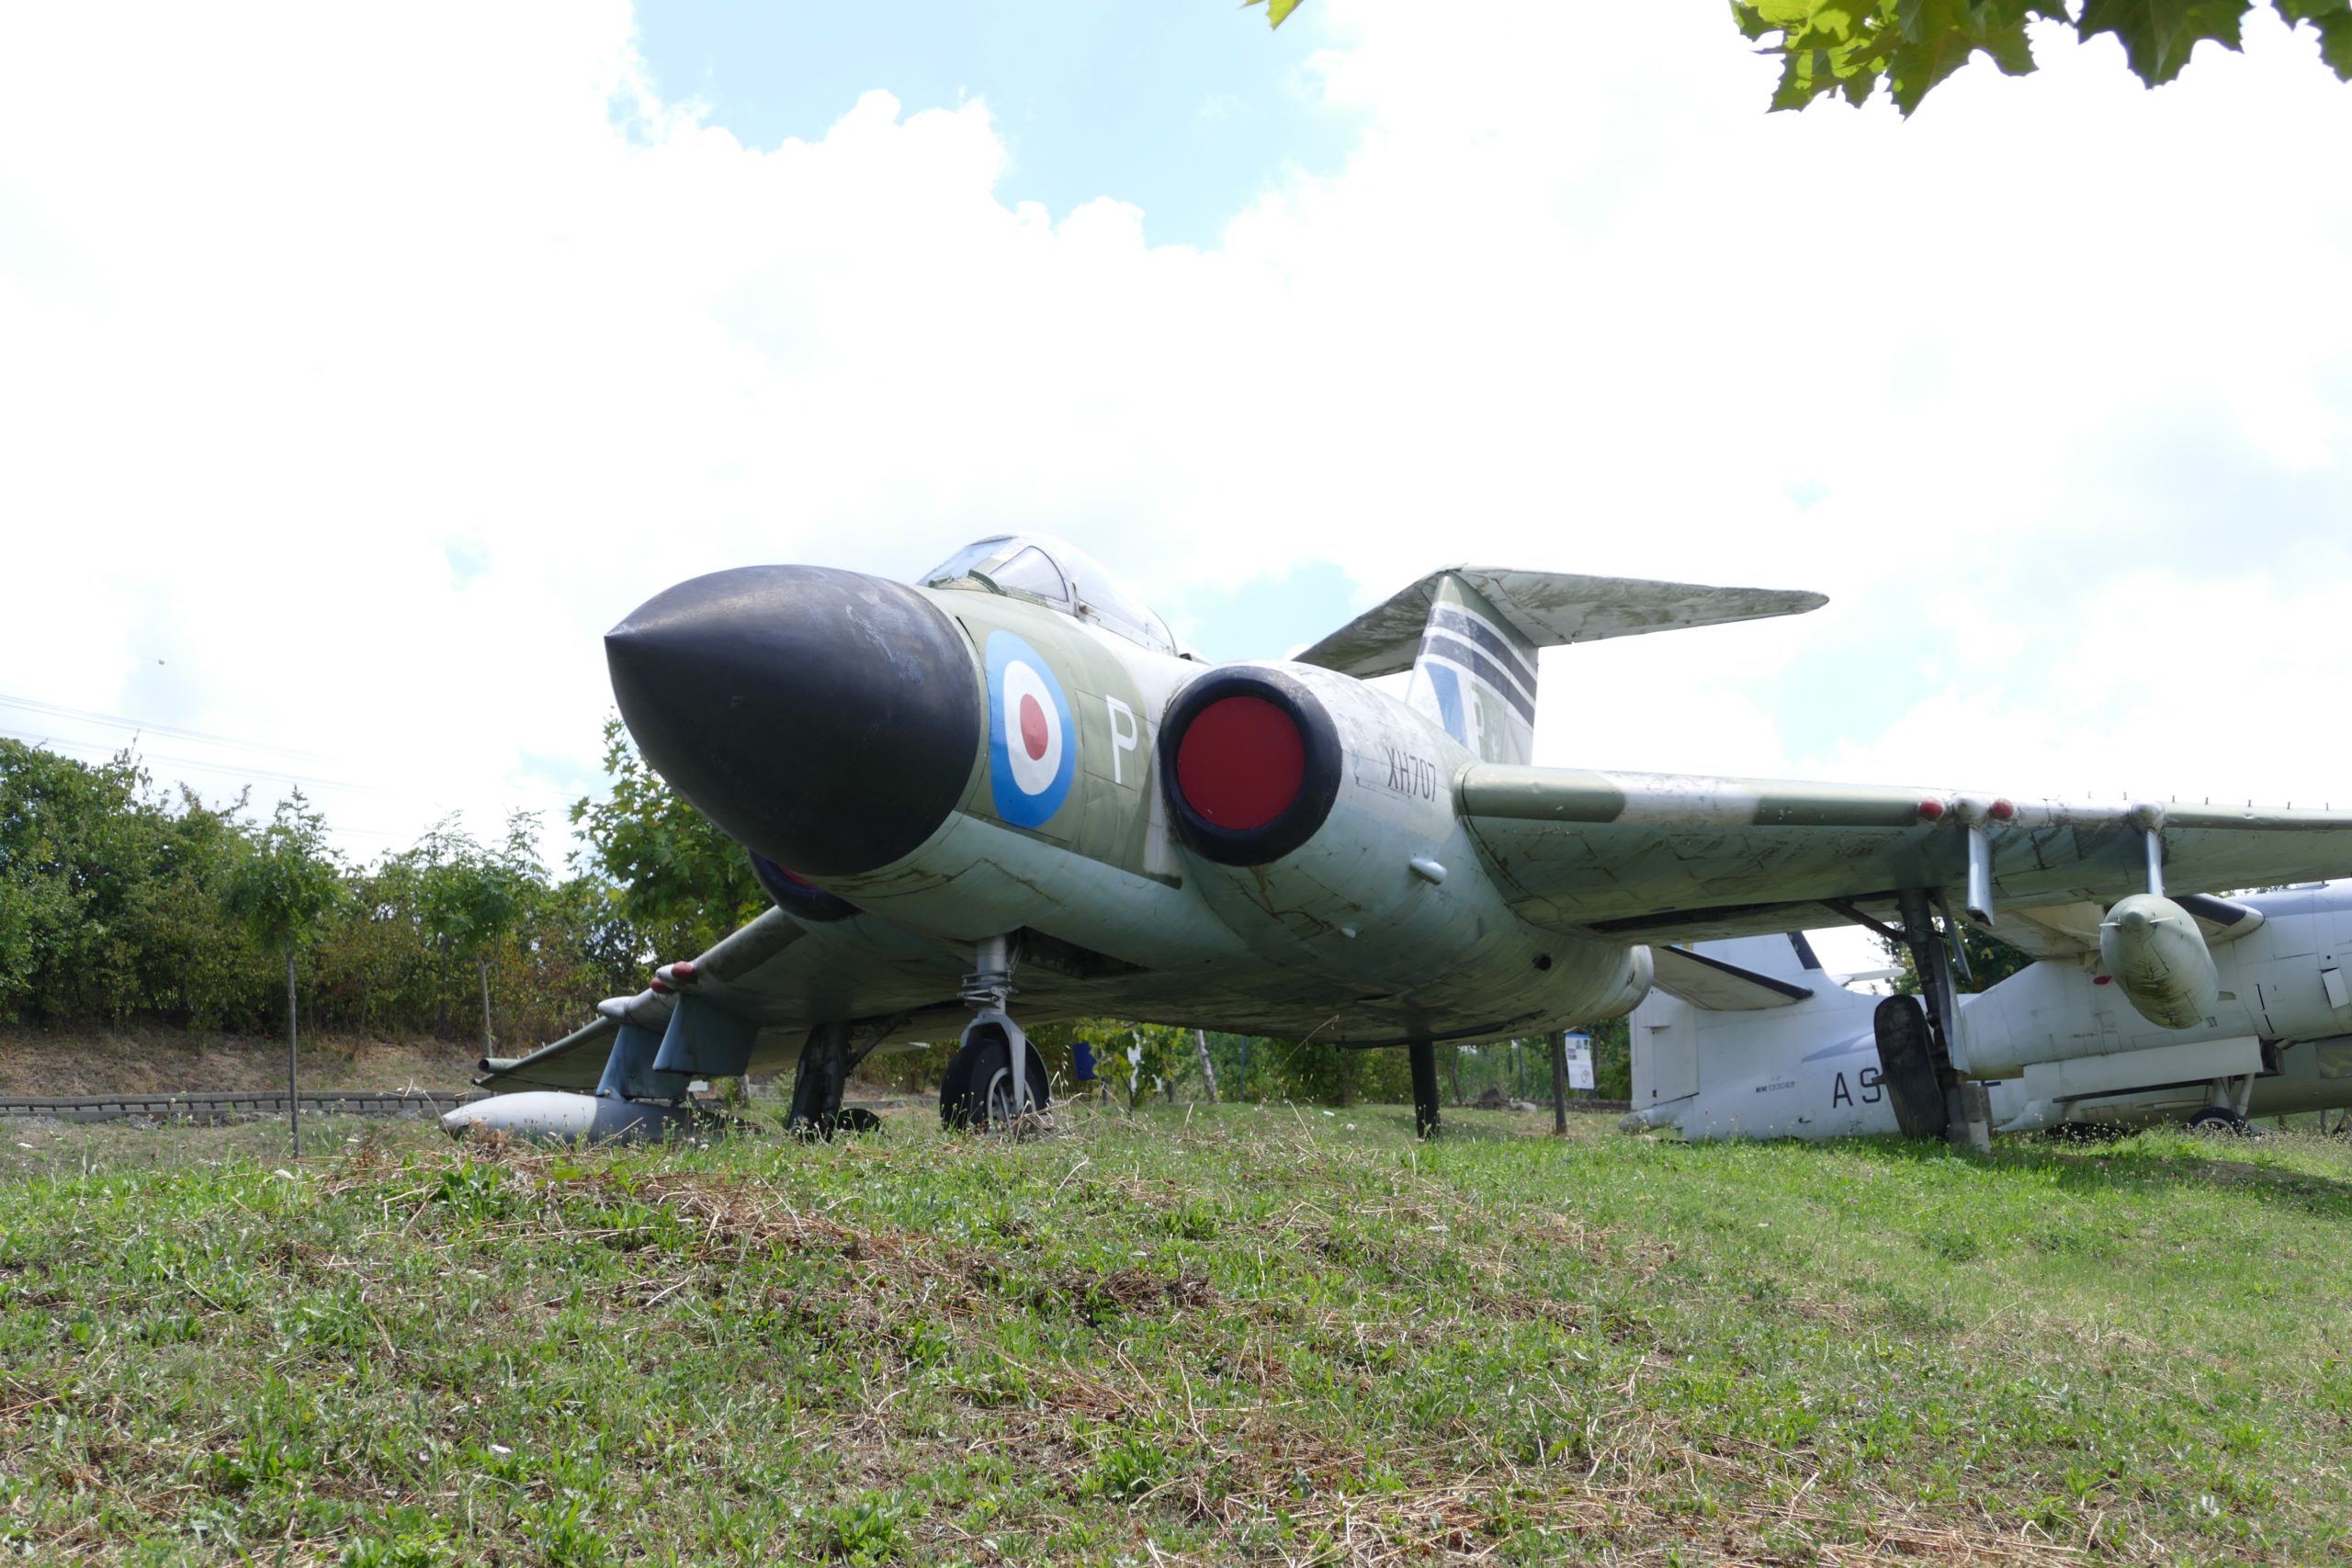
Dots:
{"x": 1241, "y": 762}
{"x": 1251, "y": 763}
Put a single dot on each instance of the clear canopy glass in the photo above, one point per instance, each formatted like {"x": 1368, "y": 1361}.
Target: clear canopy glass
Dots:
{"x": 1051, "y": 572}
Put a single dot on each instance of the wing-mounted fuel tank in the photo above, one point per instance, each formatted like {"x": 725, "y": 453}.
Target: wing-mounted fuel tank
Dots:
{"x": 2157, "y": 956}
{"x": 1318, "y": 816}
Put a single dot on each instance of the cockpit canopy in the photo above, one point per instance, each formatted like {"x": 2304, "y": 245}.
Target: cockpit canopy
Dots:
{"x": 1047, "y": 572}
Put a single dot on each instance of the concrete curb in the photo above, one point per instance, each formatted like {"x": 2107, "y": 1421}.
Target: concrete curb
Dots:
{"x": 216, "y": 1108}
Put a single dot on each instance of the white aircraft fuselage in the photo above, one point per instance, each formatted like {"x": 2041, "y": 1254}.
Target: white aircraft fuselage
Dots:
{"x": 2070, "y": 1046}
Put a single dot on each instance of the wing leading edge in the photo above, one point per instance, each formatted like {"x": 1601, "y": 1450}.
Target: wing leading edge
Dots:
{"x": 1663, "y": 857}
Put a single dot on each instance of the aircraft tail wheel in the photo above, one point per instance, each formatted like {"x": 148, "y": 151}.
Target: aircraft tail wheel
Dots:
{"x": 977, "y": 1090}
{"x": 2218, "y": 1119}
{"x": 1907, "y": 1065}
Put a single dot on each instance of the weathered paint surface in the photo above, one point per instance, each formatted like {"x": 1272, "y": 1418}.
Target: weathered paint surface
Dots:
{"x": 2159, "y": 960}
{"x": 1676, "y": 857}
{"x": 1473, "y": 676}
{"x": 1548, "y": 609}
{"x": 1450, "y": 893}
{"x": 2059, "y": 1042}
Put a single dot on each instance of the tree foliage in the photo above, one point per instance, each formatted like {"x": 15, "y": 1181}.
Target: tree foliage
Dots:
{"x": 108, "y": 893}
{"x": 1135, "y": 1061}
{"x": 1990, "y": 962}
{"x": 675, "y": 876}
{"x": 286, "y": 882}
{"x": 1849, "y": 49}
{"x": 470, "y": 897}
{"x": 1277, "y": 11}
{"x": 121, "y": 904}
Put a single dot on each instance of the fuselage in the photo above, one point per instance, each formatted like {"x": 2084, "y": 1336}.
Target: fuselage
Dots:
{"x": 2070, "y": 1046}
{"x": 937, "y": 766}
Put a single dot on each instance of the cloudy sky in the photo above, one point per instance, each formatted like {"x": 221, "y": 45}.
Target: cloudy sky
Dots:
{"x": 358, "y": 371}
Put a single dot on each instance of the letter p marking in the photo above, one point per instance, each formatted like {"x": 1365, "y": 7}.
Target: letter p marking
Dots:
{"x": 1125, "y": 735}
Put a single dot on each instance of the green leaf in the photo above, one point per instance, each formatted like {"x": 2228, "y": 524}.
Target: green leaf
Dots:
{"x": 1940, "y": 36}
{"x": 1768, "y": 16}
{"x": 2332, "y": 21}
{"x": 1277, "y": 11}
{"x": 2335, "y": 44}
{"x": 2158, "y": 35}
{"x": 1917, "y": 67}
{"x": 1848, "y": 48}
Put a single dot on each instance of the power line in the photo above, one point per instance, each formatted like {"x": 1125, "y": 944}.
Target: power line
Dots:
{"x": 558, "y": 799}
{"x": 387, "y": 841}
{"x": 144, "y": 727}
{"x": 237, "y": 771}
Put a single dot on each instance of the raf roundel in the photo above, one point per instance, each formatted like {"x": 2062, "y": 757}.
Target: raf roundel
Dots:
{"x": 1033, "y": 747}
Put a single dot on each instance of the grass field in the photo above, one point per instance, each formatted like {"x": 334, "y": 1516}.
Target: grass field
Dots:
{"x": 1233, "y": 1334}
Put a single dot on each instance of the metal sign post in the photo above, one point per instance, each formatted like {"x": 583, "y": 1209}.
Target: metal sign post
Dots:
{"x": 1560, "y": 1083}
{"x": 293, "y": 1063}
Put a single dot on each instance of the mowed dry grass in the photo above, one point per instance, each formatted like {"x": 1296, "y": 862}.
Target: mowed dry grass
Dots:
{"x": 1229, "y": 1334}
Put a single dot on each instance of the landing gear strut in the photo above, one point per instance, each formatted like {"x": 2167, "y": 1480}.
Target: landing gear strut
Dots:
{"x": 819, "y": 1083}
{"x": 1916, "y": 1034}
{"x": 1425, "y": 1102}
{"x": 2226, "y": 1111}
{"x": 994, "y": 1082}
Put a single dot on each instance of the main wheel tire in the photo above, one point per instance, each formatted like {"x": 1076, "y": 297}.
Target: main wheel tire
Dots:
{"x": 2218, "y": 1119}
{"x": 1907, "y": 1066}
{"x": 977, "y": 1090}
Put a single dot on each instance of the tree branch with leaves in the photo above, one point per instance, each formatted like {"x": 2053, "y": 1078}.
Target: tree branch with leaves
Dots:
{"x": 1849, "y": 49}
{"x": 282, "y": 890}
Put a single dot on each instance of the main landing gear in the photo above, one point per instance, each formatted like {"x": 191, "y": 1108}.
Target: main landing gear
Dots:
{"x": 1914, "y": 1037}
{"x": 995, "y": 1082}
{"x": 1425, "y": 1102}
{"x": 819, "y": 1082}
{"x": 827, "y": 1058}
{"x": 2227, "y": 1111}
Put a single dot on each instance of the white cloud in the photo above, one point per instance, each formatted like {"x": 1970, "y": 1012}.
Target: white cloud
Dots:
{"x": 365, "y": 370}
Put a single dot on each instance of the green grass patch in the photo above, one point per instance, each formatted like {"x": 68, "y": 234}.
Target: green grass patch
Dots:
{"x": 1232, "y": 1334}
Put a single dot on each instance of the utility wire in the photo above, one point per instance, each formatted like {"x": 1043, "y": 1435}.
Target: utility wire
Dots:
{"x": 388, "y": 839}
{"x": 558, "y": 799}
{"x": 142, "y": 726}
{"x": 238, "y": 771}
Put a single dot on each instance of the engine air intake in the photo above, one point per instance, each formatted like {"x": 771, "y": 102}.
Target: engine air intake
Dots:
{"x": 1241, "y": 762}
{"x": 1250, "y": 763}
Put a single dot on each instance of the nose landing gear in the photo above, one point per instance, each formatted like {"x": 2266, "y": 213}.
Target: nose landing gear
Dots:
{"x": 995, "y": 1082}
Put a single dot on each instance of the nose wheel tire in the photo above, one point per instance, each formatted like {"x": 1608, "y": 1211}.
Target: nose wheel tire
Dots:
{"x": 977, "y": 1091}
{"x": 2218, "y": 1119}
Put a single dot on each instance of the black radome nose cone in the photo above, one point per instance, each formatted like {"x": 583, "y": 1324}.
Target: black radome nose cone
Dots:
{"x": 827, "y": 719}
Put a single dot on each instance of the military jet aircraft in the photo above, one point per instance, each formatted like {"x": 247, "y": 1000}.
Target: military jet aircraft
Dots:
{"x": 1008, "y": 778}
{"x": 1750, "y": 1038}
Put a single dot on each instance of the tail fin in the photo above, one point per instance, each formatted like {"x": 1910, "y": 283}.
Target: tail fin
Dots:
{"x": 1469, "y": 634}
{"x": 1474, "y": 676}
{"x": 1722, "y": 1011}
